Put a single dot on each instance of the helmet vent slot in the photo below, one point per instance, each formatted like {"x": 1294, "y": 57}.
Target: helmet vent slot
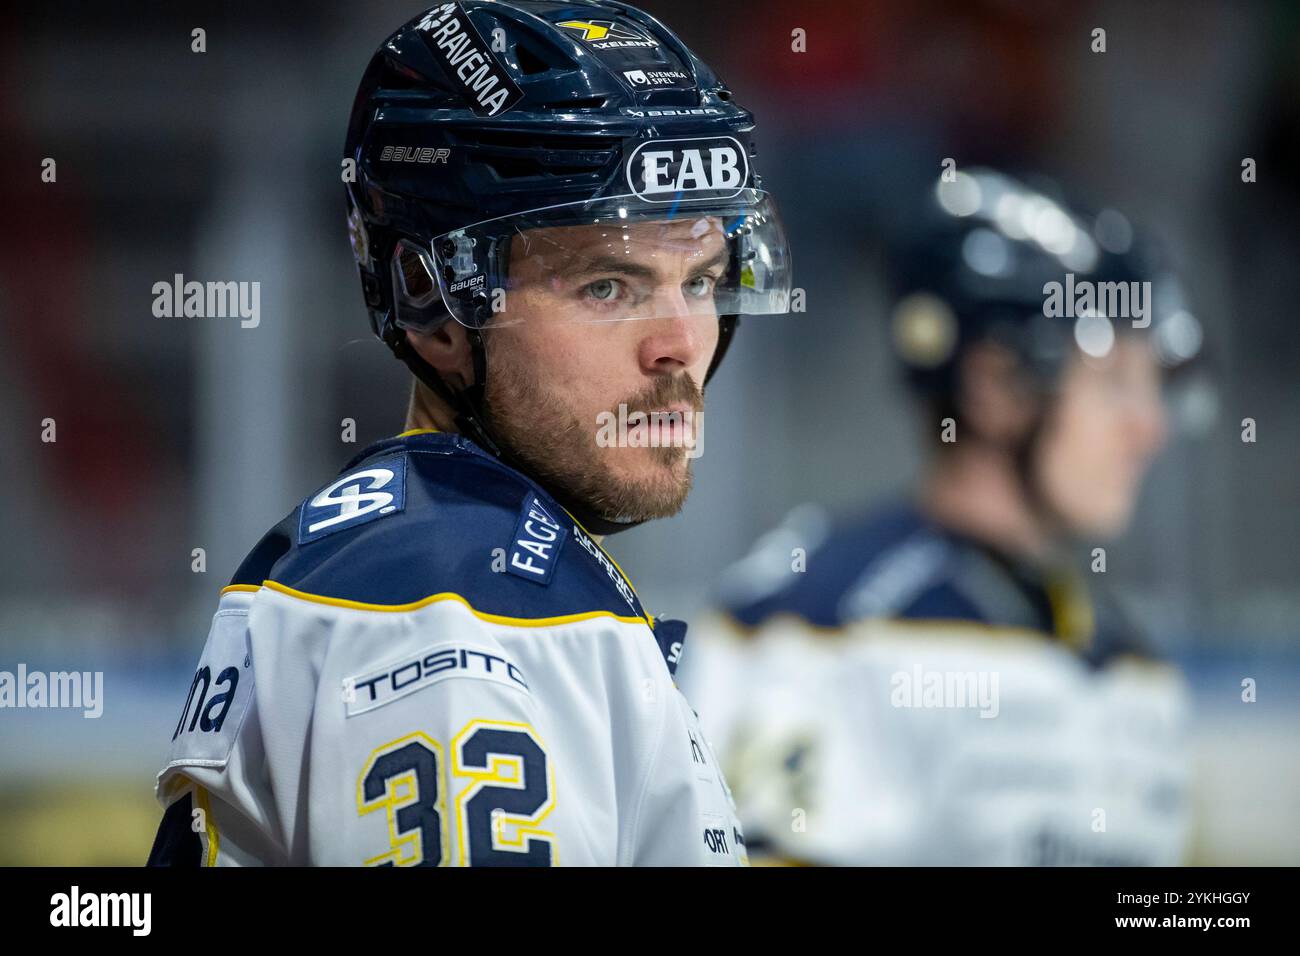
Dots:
{"x": 670, "y": 98}
{"x": 527, "y": 142}
{"x": 530, "y": 62}
{"x": 590, "y": 103}
{"x": 508, "y": 167}
{"x": 398, "y": 76}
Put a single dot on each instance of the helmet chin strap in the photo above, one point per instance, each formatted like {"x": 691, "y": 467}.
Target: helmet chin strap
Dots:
{"x": 1026, "y": 468}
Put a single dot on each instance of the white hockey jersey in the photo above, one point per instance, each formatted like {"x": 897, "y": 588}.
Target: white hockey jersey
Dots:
{"x": 910, "y": 698}
{"x": 428, "y": 662}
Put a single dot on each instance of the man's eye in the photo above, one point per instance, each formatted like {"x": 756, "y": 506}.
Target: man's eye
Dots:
{"x": 700, "y": 285}
{"x": 603, "y": 290}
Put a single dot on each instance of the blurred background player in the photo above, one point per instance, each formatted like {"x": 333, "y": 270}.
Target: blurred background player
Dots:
{"x": 945, "y": 682}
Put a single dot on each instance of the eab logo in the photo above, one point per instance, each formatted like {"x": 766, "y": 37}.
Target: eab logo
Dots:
{"x": 354, "y": 499}
{"x": 673, "y": 170}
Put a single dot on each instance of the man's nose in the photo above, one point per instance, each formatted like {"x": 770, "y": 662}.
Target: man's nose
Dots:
{"x": 676, "y": 337}
{"x": 1149, "y": 425}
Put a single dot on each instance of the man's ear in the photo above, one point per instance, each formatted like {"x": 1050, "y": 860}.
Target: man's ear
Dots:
{"x": 447, "y": 349}
{"x": 994, "y": 397}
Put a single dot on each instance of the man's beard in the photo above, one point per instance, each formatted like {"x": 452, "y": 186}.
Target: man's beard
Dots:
{"x": 558, "y": 450}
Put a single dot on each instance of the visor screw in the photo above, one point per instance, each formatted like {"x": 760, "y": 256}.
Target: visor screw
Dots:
{"x": 448, "y": 273}
{"x": 448, "y": 249}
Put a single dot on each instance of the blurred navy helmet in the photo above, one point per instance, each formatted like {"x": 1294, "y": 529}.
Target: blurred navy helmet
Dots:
{"x": 480, "y": 124}
{"x": 992, "y": 258}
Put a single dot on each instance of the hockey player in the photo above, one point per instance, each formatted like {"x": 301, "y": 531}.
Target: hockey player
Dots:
{"x": 431, "y": 660}
{"x": 934, "y": 684}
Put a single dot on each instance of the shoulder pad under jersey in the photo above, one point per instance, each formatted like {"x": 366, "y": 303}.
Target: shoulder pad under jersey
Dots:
{"x": 427, "y": 514}
{"x": 891, "y": 564}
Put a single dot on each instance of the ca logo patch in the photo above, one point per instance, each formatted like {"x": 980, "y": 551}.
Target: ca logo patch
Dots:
{"x": 376, "y": 491}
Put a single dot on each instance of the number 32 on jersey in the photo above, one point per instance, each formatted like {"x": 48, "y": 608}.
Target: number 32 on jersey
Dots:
{"x": 503, "y": 792}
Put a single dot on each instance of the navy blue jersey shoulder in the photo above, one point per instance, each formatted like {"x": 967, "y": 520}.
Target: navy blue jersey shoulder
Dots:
{"x": 430, "y": 513}
{"x": 176, "y": 843}
{"x": 890, "y": 563}
{"x": 897, "y": 564}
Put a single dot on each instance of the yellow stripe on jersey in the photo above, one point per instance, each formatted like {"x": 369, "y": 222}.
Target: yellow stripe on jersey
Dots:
{"x": 209, "y": 825}
{"x": 449, "y": 596}
{"x": 231, "y": 588}
{"x": 871, "y": 627}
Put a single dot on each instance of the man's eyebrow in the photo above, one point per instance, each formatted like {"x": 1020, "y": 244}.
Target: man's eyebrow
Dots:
{"x": 606, "y": 263}
{"x": 721, "y": 258}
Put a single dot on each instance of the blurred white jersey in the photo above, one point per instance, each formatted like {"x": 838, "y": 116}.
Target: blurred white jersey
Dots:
{"x": 906, "y": 700}
{"x": 380, "y": 688}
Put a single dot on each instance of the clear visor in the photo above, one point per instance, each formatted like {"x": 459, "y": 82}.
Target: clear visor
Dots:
{"x": 611, "y": 260}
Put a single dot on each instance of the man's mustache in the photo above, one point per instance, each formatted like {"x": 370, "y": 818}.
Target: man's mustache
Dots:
{"x": 665, "y": 391}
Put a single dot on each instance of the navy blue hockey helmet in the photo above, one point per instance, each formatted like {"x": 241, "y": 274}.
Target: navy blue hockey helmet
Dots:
{"x": 993, "y": 258}
{"x": 482, "y": 129}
